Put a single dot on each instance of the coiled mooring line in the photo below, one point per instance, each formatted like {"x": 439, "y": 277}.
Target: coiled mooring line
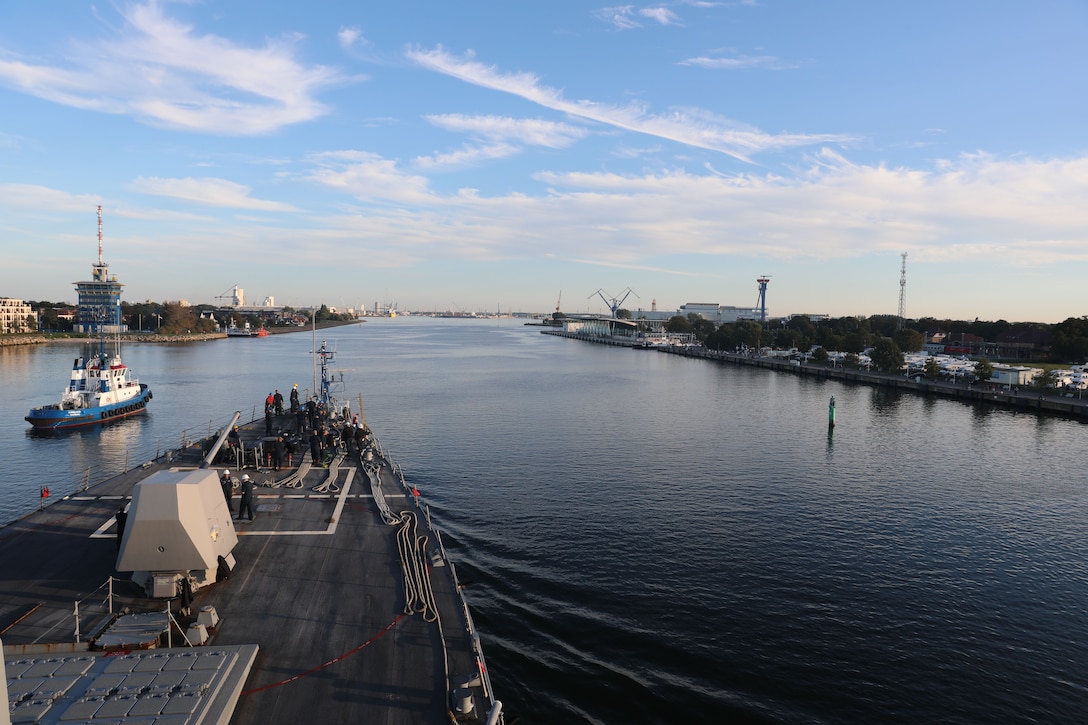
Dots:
{"x": 329, "y": 485}
{"x": 373, "y": 472}
{"x": 293, "y": 479}
{"x": 418, "y": 595}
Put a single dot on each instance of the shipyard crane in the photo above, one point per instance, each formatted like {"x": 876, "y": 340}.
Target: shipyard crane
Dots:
{"x": 615, "y": 302}
{"x": 234, "y": 294}
{"x": 558, "y": 315}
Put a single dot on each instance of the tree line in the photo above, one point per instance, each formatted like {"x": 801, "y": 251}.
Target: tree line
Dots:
{"x": 174, "y": 318}
{"x": 1069, "y": 339}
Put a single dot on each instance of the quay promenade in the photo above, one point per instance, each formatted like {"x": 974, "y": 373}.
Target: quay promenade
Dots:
{"x": 1025, "y": 399}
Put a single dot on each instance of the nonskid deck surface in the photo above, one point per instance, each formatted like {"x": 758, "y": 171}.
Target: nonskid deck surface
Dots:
{"x": 318, "y": 586}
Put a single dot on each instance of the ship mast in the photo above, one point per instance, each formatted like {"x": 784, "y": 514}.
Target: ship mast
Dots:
{"x": 100, "y": 274}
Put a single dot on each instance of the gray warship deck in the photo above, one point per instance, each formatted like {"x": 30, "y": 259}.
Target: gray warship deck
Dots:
{"x": 318, "y": 587}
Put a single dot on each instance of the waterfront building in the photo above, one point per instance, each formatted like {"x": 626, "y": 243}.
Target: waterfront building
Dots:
{"x": 267, "y": 309}
{"x": 1016, "y": 375}
{"x": 712, "y": 311}
{"x": 99, "y": 308}
{"x": 99, "y": 302}
{"x": 1024, "y": 342}
{"x": 600, "y": 327}
{"x": 14, "y": 316}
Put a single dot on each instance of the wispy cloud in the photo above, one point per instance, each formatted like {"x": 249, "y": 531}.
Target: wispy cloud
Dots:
{"x": 631, "y": 152}
{"x": 35, "y": 197}
{"x": 621, "y": 16}
{"x": 662, "y": 15}
{"x": 498, "y": 137}
{"x": 369, "y": 177}
{"x": 693, "y": 127}
{"x": 350, "y": 38}
{"x": 627, "y": 17}
{"x": 531, "y": 131}
{"x": 959, "y": 210}
{"x": 165, "y": 73}
{"x": 208, "y": 191}
{"x": 9, "y": 142}
{"x": 466, "y": 156}
{"x": 738, "y": 62}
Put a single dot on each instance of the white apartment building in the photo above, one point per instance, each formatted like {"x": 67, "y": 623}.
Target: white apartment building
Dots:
{"x": 13, "y": 316}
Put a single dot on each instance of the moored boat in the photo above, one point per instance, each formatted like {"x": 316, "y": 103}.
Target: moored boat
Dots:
{"x": 245, "y": 331}
{"x": 235, "y": 331}
{"x": 101, "y": 389}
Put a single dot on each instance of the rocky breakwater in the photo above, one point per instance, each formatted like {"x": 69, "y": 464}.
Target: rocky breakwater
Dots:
{"x": 12, "y": 340}
{"x": 189, "y": 337}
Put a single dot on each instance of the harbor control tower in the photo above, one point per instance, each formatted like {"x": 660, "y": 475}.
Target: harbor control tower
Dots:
{"x": 100, "y": 297}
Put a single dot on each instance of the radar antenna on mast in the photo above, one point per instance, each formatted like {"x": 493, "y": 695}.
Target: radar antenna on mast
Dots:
{"x": 100, "y": 263}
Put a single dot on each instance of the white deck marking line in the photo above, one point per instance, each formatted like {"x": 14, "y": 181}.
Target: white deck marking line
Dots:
{"x": 100, "y": 532}
{"x": 341, "y": 499}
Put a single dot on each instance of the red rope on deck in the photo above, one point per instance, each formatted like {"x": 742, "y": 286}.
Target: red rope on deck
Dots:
{"x": 322, "y": 666}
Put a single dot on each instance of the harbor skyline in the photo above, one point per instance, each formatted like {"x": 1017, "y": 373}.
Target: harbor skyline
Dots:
{"x": 437, "y": 158}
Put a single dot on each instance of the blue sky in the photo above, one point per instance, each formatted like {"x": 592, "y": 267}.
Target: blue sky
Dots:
{"x": 483, "y": 155}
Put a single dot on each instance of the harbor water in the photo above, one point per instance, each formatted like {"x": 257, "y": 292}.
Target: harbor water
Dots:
{"x": 647, "y": 538}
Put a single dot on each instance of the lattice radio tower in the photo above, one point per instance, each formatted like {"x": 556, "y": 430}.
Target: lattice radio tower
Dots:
{"x": 902, "y": 293}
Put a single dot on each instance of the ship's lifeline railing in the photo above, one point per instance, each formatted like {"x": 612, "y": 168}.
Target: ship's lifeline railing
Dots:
{"x": 106, "y": 619}
{"x": 495, "y": 713}
{"x": 485, "y": 678}
{"x": 106, "y": 604}
{"x": 99, "y": 613}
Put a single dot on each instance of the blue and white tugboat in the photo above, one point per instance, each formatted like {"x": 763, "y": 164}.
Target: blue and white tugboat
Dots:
{"x": 101, "y": 389}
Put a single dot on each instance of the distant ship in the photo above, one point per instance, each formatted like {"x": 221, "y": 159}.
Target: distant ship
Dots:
{"x": 101, "y": 389}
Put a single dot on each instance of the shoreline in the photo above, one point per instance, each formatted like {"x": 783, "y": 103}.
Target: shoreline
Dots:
{"x": 1027, "y": 401}
{"x": 153, "y": 337}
